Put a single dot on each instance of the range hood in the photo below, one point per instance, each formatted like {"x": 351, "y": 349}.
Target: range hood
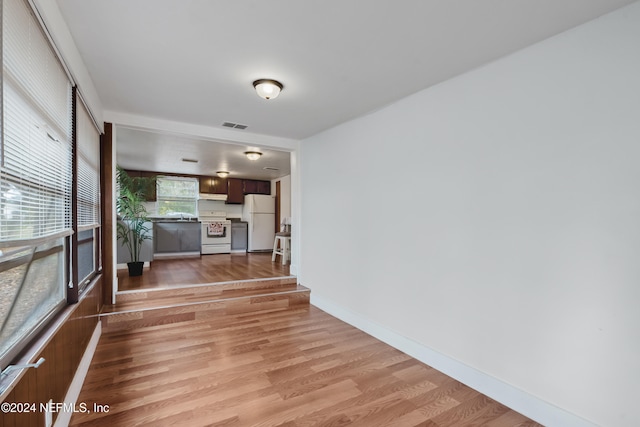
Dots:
{"x": 207, "y": 196}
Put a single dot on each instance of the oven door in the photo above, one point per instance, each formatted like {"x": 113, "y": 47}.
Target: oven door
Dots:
{"x": 216, "y": 237}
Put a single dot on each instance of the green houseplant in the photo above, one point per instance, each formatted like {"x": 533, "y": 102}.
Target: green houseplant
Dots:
{"x": 132, "y": 230}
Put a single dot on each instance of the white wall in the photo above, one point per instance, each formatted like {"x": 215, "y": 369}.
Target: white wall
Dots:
{"x": 521, "y": 255}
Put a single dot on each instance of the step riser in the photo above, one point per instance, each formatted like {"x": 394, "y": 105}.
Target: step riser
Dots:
{"x": 205, "y": 310}
{"x": 205, "y": 291}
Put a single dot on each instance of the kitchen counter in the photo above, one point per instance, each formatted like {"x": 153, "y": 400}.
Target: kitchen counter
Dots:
{"x": 176, "y": 221}
{"x": 170, "y": 219}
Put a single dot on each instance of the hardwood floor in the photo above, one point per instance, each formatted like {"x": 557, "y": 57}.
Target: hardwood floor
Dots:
{"x": 299, "y": 367}
{"x": 203, "y": 269}
{"x": 177, "y": 354}
{"x": 139, "y": 309}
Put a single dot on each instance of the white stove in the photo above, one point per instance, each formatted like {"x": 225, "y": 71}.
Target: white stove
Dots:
{"x": 215, "y": 233}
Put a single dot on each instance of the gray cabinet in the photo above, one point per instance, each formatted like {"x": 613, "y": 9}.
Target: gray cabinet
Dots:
{"x": 190, "y": 237}
{"x": 166, "y": 237}
{"x": 177, "y": 237}
{"x": 239, "y": 236}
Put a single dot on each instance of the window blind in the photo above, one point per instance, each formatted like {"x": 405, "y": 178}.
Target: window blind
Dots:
{"x": 176, "y": 195}
{"x": 88, "y": 144}
{"x": 174, "y": 187}
{"x": 35, "y": 179}
{"x": 36, "y": 152}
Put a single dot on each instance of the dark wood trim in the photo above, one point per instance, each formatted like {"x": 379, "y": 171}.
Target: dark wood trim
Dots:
{"x": 106, "y": 206}
{"x": 278, "y": 201}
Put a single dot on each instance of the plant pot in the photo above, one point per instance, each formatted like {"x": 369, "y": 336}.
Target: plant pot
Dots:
{"x": 135, "y": 268}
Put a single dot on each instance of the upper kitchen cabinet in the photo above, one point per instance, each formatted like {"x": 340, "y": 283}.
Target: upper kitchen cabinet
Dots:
{"x": 213, "y": 185}
{"x": 235, "y": 191}
{"x": 237, "y": 188}
{"x": 252, "y": 186}
{"x": 145, "y": 183}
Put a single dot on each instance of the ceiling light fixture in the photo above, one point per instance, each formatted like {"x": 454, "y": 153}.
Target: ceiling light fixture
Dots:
{"x": 222, "y": 174}
{"x": 267, "y": 89}
{"x": 253, "y": 155}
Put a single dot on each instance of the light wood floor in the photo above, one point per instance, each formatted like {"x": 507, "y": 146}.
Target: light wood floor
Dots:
{"x": 204, "y": 269}
{"x": 299, "y": 367}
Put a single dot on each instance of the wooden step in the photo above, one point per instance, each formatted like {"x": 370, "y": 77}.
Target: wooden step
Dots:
{"x": 141, "y": 309}
{"x": 129, "y": 300}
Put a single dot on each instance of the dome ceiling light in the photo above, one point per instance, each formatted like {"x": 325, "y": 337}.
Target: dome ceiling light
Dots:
{"x": 222, "y": 174}
{"x": 267, "y": 89}
{"x": 253, "y": 155}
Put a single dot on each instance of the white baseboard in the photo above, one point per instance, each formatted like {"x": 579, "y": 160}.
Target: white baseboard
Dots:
{"x": 64, "y": 417}
{"x": 510, "y": 396}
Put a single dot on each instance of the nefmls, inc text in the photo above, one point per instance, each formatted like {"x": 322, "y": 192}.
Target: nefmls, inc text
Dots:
{"x": 81, "y": 407}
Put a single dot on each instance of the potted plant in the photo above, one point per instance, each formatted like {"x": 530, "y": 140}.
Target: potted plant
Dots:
{"x": 132, "y": 230}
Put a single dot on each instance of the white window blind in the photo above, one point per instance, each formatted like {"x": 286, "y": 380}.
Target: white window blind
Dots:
{"x": 175, "y": 188}
{"x": 88, "y": 143}
{"x": 176, "y": 195}
{"x": 35, "y": 151}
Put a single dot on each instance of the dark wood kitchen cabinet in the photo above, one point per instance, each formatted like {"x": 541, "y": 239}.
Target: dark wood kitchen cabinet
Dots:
{"x": 145, "y": 183}
{"x": 204, "y": 184}
{"x": 213, "y": 185}
{"x": 234, "y": 188}
{"x": 254, "y": 186}
{"x": 235, "y": 193}
{"x": 264, "y": 187}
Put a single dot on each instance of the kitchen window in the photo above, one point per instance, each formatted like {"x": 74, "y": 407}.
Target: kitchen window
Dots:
{"x": 177, "y": 196}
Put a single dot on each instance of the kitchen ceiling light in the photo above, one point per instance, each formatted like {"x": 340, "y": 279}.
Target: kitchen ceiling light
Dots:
{"x": 253, "y": 155}
{"x": 222, "y": 174}
{"x": 267, "y": 89}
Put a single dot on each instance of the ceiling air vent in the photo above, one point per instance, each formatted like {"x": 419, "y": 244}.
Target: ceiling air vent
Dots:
{"x": 234, "y": 125}
{"x": 270, "y": 168}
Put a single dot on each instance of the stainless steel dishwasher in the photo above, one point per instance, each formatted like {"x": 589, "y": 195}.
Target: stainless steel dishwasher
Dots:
{"x": 239, "y": 236}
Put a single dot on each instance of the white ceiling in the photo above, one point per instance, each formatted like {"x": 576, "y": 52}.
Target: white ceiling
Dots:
{"x": 153, "y": 151}
{"x": 194, "y": 61}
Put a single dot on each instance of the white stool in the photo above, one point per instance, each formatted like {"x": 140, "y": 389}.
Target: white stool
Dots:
{"x": 282, "y": 247}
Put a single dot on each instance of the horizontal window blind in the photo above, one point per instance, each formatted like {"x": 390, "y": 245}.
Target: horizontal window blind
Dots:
{"x": 176, "y": 195}
{"x": 36, "y": 152}
{"x": 88, "y": 144}
{"x": 174, "y": 188}
{"x": 31, "y": 62}
{"x": 35, "y": 180}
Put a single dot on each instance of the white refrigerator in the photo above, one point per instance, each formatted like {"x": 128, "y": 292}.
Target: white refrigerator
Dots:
{"x": 260, "y": 213}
